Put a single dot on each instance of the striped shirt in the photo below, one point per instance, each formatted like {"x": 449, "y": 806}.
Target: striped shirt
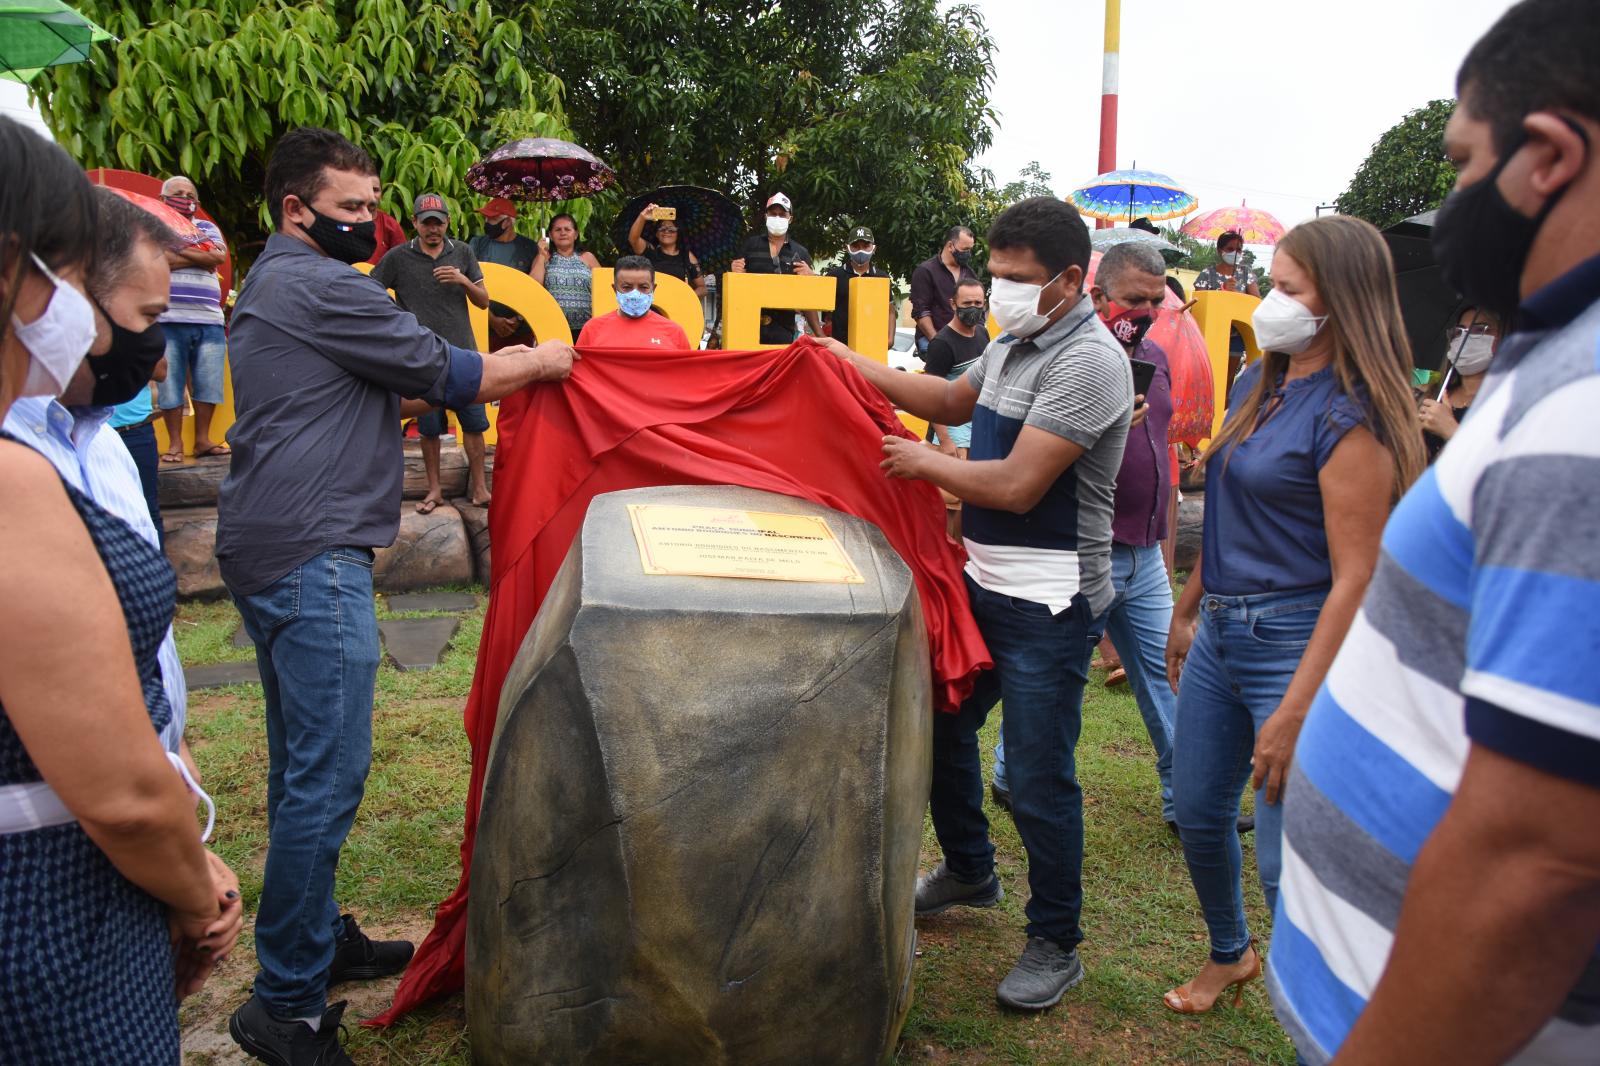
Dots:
{"x": 1072, "y": 380}
{"x": 196, "y": 295}
{"x": 91, "y": 458}
{"x": 1480, "y": 626}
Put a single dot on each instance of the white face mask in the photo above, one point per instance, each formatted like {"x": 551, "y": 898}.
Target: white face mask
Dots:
{"x": 777, "y": 225}
{"x": 1284, "y": 324}
{"x": 57, "y": 340}
{"x": 1473, "y": 356}
{"x": 1015, "y": 307}
{"x": 1231, "y": 258}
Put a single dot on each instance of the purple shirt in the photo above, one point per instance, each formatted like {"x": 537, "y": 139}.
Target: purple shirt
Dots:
{"x": 1143, "y": 496}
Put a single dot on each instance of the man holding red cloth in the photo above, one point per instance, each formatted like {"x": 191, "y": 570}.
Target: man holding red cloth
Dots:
{"x": 1049, "y": 402}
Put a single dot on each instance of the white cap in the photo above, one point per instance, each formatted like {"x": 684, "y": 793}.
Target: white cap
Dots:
{"x": 781, "y": 200}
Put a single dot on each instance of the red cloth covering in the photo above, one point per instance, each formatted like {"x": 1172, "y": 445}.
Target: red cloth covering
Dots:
{"x": 794, "y": 420}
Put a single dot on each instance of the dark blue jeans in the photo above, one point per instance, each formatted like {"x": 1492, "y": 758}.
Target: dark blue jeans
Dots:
{"x": 316, "y": 637}
{"x": 141, "y": 444}
{"x": 1245, "y": 653}
{"x": 1041, "y": 663}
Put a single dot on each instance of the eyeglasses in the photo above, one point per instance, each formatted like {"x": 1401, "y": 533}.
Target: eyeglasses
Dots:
{"x": 1477, "y": 329}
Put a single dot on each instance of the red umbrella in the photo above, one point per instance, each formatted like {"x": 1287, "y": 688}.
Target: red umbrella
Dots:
{"x": 1189, "y": 361}
{"x": 182, "y": 225}
{"x": 540, "y": 168}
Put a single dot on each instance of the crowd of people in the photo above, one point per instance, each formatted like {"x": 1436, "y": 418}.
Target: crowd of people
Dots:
{"x": 1388, "y": 635}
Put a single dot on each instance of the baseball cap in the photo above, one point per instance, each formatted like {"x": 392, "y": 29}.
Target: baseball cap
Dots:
{"x": 430, "y": 205}
{"x": 861, "y": 233}
{"x": 782, "y": 201}
{"x": 498, "y": 206}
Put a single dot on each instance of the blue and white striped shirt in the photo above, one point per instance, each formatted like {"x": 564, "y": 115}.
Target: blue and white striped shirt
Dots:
{"x": 1480, "y": 626}
{"x": 91, "y": 458}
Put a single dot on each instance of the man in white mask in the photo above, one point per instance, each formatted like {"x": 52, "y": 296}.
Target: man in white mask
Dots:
{"x": 1049, "y": 402}
{"x": 774, "y": 251}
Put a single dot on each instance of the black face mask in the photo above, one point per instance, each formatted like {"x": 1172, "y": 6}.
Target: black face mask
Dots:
{"x": 127, "y": 366}
{"x": 962, "y": 258}
{"x": 971, "y": 317}
{"x": 347, "y": 242}
{"x": 1481, "y": 242}
{"x": 497, "y": 229}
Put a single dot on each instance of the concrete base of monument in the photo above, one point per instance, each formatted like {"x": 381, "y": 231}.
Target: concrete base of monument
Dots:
{"x": 702, "y": 812}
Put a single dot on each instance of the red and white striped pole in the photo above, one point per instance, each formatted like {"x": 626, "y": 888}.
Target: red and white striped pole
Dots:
{"x": 1108, "y": 93}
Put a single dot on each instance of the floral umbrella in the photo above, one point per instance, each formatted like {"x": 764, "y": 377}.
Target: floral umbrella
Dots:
{"x": 1189, "y": 363}
{"x": 1124, "y": 195}
{"x": 182, "y": 225}
{"x": 1256, "y": 227}
{"x": 709, "y": 223}
{"x": 540, "y": 168}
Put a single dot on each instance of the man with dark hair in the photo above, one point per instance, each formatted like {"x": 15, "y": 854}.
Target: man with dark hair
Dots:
{"x": 1440, "y": 900}
{"x": 1049, "y": 404}
{"x": 632, "y": 325}
{"x": 1129, "y": 286}
{"x": 953, "y": 350}
{"x": 434, "y": 278}
{"x": 933, "y": 284}
{"x": 321, "y": 357}
{"x": 501, "y": 243}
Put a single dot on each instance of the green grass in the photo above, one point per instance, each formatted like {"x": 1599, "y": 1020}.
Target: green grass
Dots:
{"x": 1140, "y": 916}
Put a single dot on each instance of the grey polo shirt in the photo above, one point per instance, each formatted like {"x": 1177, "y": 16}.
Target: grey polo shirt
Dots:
{"x": 408, "y": 270}
{"x": 320, "y": 358}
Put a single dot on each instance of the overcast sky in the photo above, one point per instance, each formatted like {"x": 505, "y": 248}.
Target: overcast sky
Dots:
{"x": 1272, "y": 101}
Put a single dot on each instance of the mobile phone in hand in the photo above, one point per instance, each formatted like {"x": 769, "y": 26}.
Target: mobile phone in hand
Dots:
{"x": 1144, "y": 375}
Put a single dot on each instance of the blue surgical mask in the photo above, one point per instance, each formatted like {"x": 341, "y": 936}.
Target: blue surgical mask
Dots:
{"x": 635, "y": 304}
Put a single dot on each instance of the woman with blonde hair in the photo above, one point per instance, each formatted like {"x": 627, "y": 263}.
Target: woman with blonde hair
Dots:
{"x": 1320, "y": 439}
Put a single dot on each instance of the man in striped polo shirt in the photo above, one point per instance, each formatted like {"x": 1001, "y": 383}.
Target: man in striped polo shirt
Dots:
{"x": 1440, "y": 900}
{"x": 1049, "y": 402}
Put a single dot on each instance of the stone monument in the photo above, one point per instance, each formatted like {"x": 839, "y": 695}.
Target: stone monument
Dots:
{"x": 703, "y": 806}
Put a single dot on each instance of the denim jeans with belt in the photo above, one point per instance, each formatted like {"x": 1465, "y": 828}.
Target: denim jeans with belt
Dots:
{"x": 1140, "y": 616}
{"x": 316, "y": 637}
{"x": 1245, "y": 653}
{"x": 1041, "y": 662}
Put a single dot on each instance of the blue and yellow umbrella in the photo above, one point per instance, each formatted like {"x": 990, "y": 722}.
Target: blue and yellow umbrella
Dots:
{"x": 1124, "y": 195}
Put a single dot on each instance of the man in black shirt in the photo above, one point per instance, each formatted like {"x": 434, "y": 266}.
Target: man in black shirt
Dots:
{"x": 955, "y": 348}
{"x": 501, "y": 243}
{"x": 933, "y": 284}
{"x": 859, "y": 247}
{"x": 775, "y": 252}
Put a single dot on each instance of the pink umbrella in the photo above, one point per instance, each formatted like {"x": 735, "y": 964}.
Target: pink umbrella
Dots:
{"x": 1189, "y": 362}
{"x": 1256, "y": 227}
{"x": 180, "y": 224}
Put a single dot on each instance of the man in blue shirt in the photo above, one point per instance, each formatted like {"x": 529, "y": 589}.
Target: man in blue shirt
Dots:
{"x": 321, "y": 357}
{"x": 1049, "y": 403}
{"x": 1440, "y": 897}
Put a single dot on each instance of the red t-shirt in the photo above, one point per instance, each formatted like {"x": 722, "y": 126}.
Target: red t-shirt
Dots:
{"x": 390, "y": 235}
{"x": 614, "y": 330}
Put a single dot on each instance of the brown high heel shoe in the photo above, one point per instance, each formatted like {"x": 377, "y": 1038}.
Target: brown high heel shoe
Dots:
{"x": 1178, "y": 999}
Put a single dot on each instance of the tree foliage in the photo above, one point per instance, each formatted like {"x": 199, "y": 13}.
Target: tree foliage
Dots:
{"x": 1032, "y": 181}
{"x": 863, "y": 111}
{"x": 1407, "y": 171}
{"x": 206, "y": 87}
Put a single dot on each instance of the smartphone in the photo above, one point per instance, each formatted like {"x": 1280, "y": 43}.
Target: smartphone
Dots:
{"x": 1144, "y": 374}
{"x": 665, "y": 214}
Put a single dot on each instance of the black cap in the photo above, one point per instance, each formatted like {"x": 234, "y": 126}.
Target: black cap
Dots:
{"x": 861, "y": 233}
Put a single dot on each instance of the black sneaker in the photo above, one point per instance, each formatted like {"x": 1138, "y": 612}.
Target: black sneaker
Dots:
{"x": 283, "y": 1042}
{"x": 1002, "y": 797}
{"x": 357, "y": 957}
{"x": 941, "y": 890}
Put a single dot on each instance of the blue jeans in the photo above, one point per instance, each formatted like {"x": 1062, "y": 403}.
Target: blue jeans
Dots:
{"x": 1041, "y": 662}
{"x": 195, "y": 355}
{"x": 473, "y": 419}
{"x": 316, "y": 637}
{"x": 1138, "y": 622}
{"x": 1245, "y": 652}
{"x": 141, "y": 444}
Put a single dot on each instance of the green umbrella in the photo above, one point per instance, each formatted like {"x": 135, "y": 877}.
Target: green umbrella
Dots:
{"x": 35, "y": 34}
